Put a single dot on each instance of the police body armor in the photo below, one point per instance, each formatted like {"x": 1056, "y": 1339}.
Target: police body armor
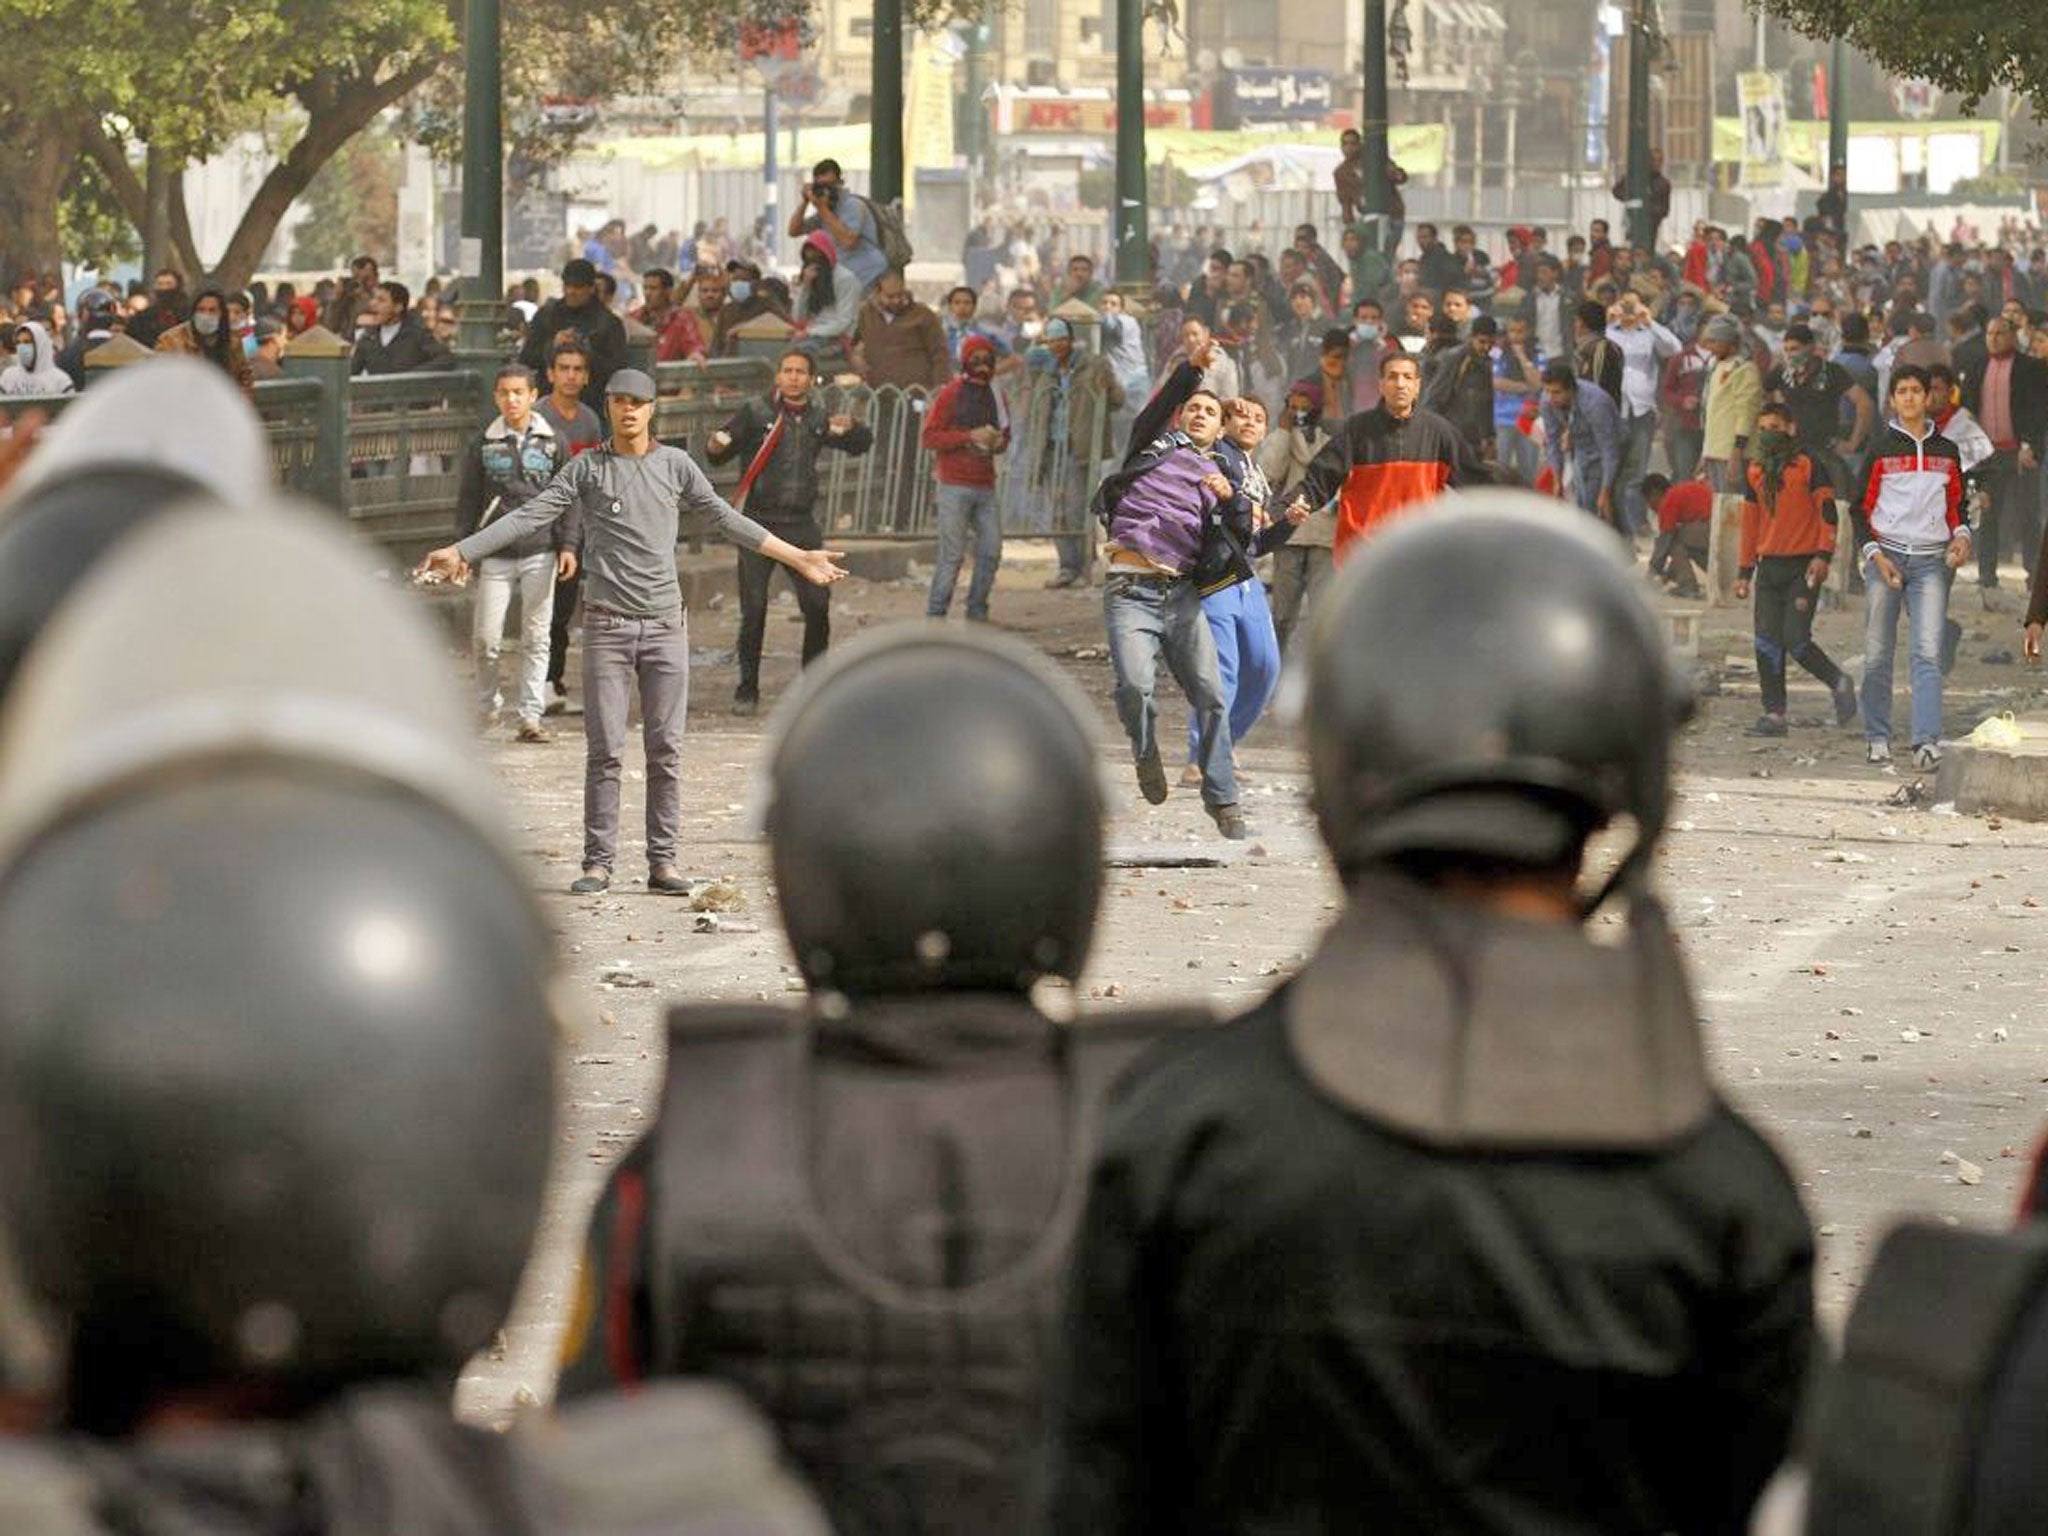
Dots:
{"x": 1934, "y": 1421}
{"x": 871, "y": 1242}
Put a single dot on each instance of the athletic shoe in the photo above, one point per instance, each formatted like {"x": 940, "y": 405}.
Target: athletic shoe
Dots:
{"x": 558, "y": 699}
{"x": 1769, "y": 725}
{"x": 1927, "y": 757}
{"x": 745, "y": 705}
{"x": 534, "y": 731}
{"x": 1190, "y": 777}
{"x": 1879, "y": 753}
{"x": 1063, "y": 579}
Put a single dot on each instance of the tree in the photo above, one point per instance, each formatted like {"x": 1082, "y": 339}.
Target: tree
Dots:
{"x": 1971, "y": 47}
{"x": 103, "y": 80}
{"x": 351, "y": 206}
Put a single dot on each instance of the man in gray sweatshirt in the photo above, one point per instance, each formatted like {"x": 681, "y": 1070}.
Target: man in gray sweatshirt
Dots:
{"x": 624, "y": 501}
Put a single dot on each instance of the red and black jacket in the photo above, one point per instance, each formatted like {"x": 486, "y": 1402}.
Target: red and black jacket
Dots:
{"x": 1377, "y": 466}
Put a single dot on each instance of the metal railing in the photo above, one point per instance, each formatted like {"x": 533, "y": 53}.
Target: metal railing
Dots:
{"x": 388, "y": 450}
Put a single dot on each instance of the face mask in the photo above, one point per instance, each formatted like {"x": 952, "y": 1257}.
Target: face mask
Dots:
{"x": 249, "y": 345}
{"x": 25, "y": 354}
{"x": 1772, "y": 442}
{"x": 739, "y": 290}
{"x": 206, "y": 324}
{"x": 1366, "y": 332}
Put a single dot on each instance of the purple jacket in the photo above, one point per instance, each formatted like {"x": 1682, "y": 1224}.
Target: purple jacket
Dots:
{"x": 1161, "y": 513}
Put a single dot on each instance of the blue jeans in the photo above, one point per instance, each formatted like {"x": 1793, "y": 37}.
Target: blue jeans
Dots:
{"x": 1517, "y": 453}
{"x": 1247, "y": 658}
{"x": 1925, "y": 598}
{"x": 961, "y": 509}
{"x": 1148, "y": 616}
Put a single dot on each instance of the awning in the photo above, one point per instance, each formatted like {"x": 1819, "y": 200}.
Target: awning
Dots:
{"x": 1469, "y": 15}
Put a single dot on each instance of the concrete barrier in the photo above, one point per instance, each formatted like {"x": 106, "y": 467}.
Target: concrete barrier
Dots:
{"x": 2012, "y": 781}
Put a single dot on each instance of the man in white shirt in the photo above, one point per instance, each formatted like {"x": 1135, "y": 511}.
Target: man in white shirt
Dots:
{"x": 1644, "y": 344}
{"x": 1550, "y": 309}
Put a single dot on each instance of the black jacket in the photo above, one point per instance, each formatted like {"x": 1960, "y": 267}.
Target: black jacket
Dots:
{"x": 409, "y": 350}
{"x": 1289, "y": 1320}
{"x": 600, "y": 329}
{"x": 2029, "y": 393}
{"x": 787, "y": 490}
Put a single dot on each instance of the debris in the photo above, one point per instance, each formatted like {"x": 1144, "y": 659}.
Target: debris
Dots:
{"x": 718, "y": 896}
{"x": 621, "y": 977}
{"x": 2001, "y": 1034}
{"x": 792, "y": 984}
{"x": 1829, "y": 1229}
{"x": 1968, "y": 1172}
{"x": 1908, "y": 797}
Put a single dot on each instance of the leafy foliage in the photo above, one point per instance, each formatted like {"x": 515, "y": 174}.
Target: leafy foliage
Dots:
{"x": 1971, "y": 47}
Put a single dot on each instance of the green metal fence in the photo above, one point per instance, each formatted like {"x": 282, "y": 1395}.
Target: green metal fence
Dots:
{"x": 388, "y": 450}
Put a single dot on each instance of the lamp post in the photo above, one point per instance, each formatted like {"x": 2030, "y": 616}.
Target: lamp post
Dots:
{"x": 1372, "y": 124}
{"x": 1838, "y": 125}
{"x": 885, "y": 130}
{"x": 480, "y": 316}
{"x": 1640, "y": 232}
{"x": 1133, "y": 253}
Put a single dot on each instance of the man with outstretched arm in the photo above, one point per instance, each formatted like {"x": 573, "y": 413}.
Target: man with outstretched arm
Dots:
{"x": 625, "y": 501}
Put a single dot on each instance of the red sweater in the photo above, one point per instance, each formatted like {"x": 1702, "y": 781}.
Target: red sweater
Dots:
{"x": 956, "y": 410}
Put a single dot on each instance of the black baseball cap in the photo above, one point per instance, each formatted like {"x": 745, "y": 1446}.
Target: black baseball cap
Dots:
{"x": 578, "y": 273}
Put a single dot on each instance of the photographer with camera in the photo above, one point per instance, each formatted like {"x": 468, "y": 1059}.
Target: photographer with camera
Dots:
{"x": 848, "y": 218}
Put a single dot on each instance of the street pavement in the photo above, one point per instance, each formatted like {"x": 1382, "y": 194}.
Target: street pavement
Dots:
{"x": 1864, "y": 968}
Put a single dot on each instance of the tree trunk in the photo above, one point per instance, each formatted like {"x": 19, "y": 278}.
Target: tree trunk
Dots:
{"x": 347, "y": 113}
{"x": 29, "y": 239}
{"x": 338, "y": 115}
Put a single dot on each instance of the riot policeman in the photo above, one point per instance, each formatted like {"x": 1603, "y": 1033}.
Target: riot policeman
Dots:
{"x": 1932, "y": 1422}
{"x": 858, "y": 1211}
{"x": 1452, "y": 1232}
{"x": 134, "y": 447}
{"x": 276, "y": 1069}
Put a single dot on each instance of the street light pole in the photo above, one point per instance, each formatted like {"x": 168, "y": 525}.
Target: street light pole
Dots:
{"x": 1133, "y": 252}
{"x": 885, "y": 130}
{"x": 481, "y": 314}
{"x": 1372, "y": 126}
{"x": 1639, "y": 229}
{"x": 1838, "y": 123}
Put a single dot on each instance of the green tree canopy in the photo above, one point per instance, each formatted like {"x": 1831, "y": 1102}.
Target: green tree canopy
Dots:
{"x": 1971, "y": 47}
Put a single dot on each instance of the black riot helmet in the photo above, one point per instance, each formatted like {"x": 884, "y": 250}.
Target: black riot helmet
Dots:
{"x": 140, "y": 443}
{"x": 936, "y": 817}
{"x": 276, "y": 1052}
{"x": 1487, "y": 683}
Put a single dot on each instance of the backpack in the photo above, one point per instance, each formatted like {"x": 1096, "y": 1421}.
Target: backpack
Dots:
{"x": 890, "y": 234}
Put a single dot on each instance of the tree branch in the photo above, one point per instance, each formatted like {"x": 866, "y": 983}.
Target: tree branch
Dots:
{"x": 347, "y": 112}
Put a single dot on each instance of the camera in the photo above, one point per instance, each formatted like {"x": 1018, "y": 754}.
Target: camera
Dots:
{"x": 825, "y": 191}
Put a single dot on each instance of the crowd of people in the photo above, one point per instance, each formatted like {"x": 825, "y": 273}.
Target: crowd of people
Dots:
{"x": 1747, "y": 378}
{"x": 1453, "y": 1230}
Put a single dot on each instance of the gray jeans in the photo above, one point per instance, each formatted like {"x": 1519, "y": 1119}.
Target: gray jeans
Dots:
{"x": 620, "y": 653}
{"x": 965, "y": 510}
{"x": 1300, "y": 572}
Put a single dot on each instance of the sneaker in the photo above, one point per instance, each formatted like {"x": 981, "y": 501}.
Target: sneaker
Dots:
{"x": 745, "y": 705}
{"x": 665, "y": 880}
{"x": 1769, "y": 725}
{"x": 1191, "y": 777}
{"x": 1229, "y": 821}
{"x": 1927, "y": 757}
{"x": 1879, "y": 752}
{"x": 534, "y": 731}
{"x": 1845, "y": 702}
{"x": 596, "y": 878}
{"x": 1063, "y": 579}
{"x": 1152, "y": 779}
{"x": 558, "y": 699}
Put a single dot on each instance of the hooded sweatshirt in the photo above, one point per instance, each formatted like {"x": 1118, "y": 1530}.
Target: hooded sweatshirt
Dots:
{"x": 45, "y": 378}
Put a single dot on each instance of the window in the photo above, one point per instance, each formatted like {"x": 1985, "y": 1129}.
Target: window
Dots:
{"x": 1042, "y": 28}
